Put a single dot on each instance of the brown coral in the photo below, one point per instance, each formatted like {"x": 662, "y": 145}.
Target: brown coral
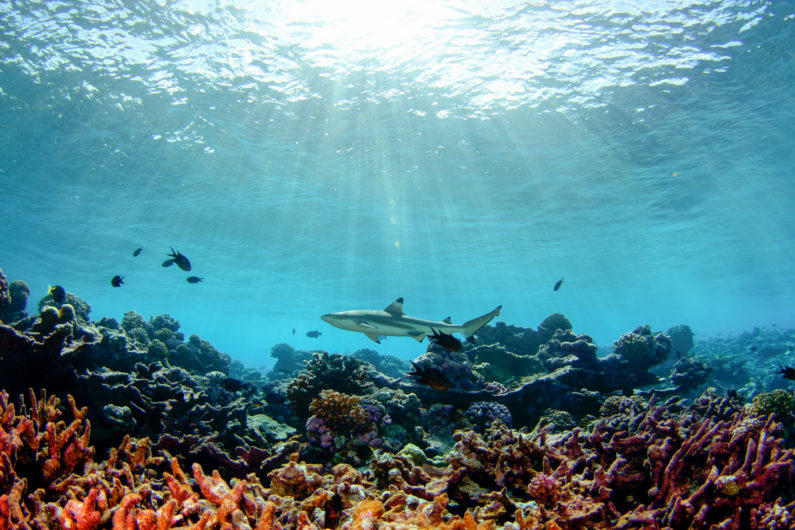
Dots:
{"x": 340, "y": 412}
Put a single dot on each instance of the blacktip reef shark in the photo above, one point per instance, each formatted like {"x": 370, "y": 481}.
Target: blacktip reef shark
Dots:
{"x": 392, "y": 322}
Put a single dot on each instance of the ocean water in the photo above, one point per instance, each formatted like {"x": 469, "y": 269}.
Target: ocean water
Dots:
{"x": 311, "y": 157}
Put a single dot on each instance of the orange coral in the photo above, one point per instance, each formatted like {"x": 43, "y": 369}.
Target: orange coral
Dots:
{"x": 294, "y": 479}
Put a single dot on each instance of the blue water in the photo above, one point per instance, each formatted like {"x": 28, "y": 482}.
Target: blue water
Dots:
{"x": 311, "y": 157}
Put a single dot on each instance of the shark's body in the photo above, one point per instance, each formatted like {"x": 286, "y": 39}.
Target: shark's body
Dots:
{"x": 392, "y": 322}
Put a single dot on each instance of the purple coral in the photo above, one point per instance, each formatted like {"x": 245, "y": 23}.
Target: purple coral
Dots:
{"x": 483, "y": 413}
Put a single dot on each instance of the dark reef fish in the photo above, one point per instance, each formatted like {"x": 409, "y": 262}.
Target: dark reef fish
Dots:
{"x": 234, "y": 385}
{"x": 788, "y": 372}
{"x": 58, "y": 294}
{"x": 117, "y": 281}
{"x": 430, "y": 376}
{"x": 558, "y": 284}
{"x": 445, "y": 340}
{"x": 178, "y": 258}
{"x": 137, "y": 251}
{"x": 313, "y": 334}
{"x": 194, "y": 279}
{"x": 753, "y": 349}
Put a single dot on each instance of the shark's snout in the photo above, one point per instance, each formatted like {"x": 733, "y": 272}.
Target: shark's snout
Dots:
{"x": 331, "y": 318}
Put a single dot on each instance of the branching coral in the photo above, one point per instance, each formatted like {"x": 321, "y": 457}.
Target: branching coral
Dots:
{"x": 667, "y": 469}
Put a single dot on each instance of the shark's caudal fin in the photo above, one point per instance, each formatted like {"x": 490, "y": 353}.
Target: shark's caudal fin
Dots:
{"x": 471, "y": 327}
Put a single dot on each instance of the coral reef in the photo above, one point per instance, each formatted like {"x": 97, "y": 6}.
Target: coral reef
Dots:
{"x": 328, "y": 372}
{"x": 288, "y": 360}
{"x": 688, "y": 374}
{"x": 343, "y": 443}
{"x": 346, "y": 427}
{"x": 482, "y": 414}
{"x": 681, "y": 339}
{"x": 5, "y": 295}
{"x": 495, "y": 363}
{"x": 389, "y": 365}
{"x": 13, "y": 299}
{"x": 523, "y": 341}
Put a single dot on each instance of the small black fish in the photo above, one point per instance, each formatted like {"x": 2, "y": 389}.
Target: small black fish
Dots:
{"x": 445, "y": 340}
{"x": 168, "y": 262}
{"x": 313, "y": 334}
{"x": 430, "y": 376}
{"x": 753, "y": 349}
{"x": 137, "y": 251}
{"x": 194, "y": 279}
{"x": 58, "y": 294}
{"x": 293, "y": 331}
{"x": 180, "y": 259}
{"x": 232, "y": 385}
{"x": 117, "y": 281}
{"x": 788, "y": 372}
{"x": 558, "y": 284}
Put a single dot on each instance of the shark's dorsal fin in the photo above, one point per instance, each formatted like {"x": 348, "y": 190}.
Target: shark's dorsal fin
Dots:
{"x": 448, "y": 320}
{"x": 396, "y": 307}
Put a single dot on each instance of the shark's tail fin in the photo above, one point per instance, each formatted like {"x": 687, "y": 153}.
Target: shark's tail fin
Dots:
{"x": 471, "y": 327}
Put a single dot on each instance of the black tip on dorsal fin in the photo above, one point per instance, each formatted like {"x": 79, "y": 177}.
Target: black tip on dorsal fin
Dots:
{"x": 396, "y": 307}
{"x": 448, "y": 320}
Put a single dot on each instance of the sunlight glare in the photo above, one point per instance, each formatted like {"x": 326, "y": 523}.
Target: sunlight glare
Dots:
{"x": 364, "y": 26}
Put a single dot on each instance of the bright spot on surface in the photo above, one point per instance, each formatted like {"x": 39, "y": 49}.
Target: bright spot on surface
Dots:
{"x": 397, "y": 244}
{"x": 366, "y": 24}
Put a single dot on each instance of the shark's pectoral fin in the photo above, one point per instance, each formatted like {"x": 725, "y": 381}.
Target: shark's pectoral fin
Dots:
{"x": 373, "y": 337}
{"x": 418, "y": 335}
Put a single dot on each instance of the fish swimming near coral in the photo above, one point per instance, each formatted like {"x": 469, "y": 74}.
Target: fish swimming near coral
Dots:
{"x": 313, "y": 334}
{"x": 58, "y": 294}
{"x": 446, "y": 340}
{"x": 558, "y": 284}
{"x": 137, "y": 251}
{"x": 392, "y": 322}
{"x": 194, "y": 279}
{"x": 178, "y": 258}
{"x": 234, "y": 385}
{"x": 117, "y": 281}
{"x": 430, "y": 376}
{"x": 787, "y": 371}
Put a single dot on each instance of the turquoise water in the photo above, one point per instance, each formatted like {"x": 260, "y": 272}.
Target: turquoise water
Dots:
{"x": 311, "y": 159}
